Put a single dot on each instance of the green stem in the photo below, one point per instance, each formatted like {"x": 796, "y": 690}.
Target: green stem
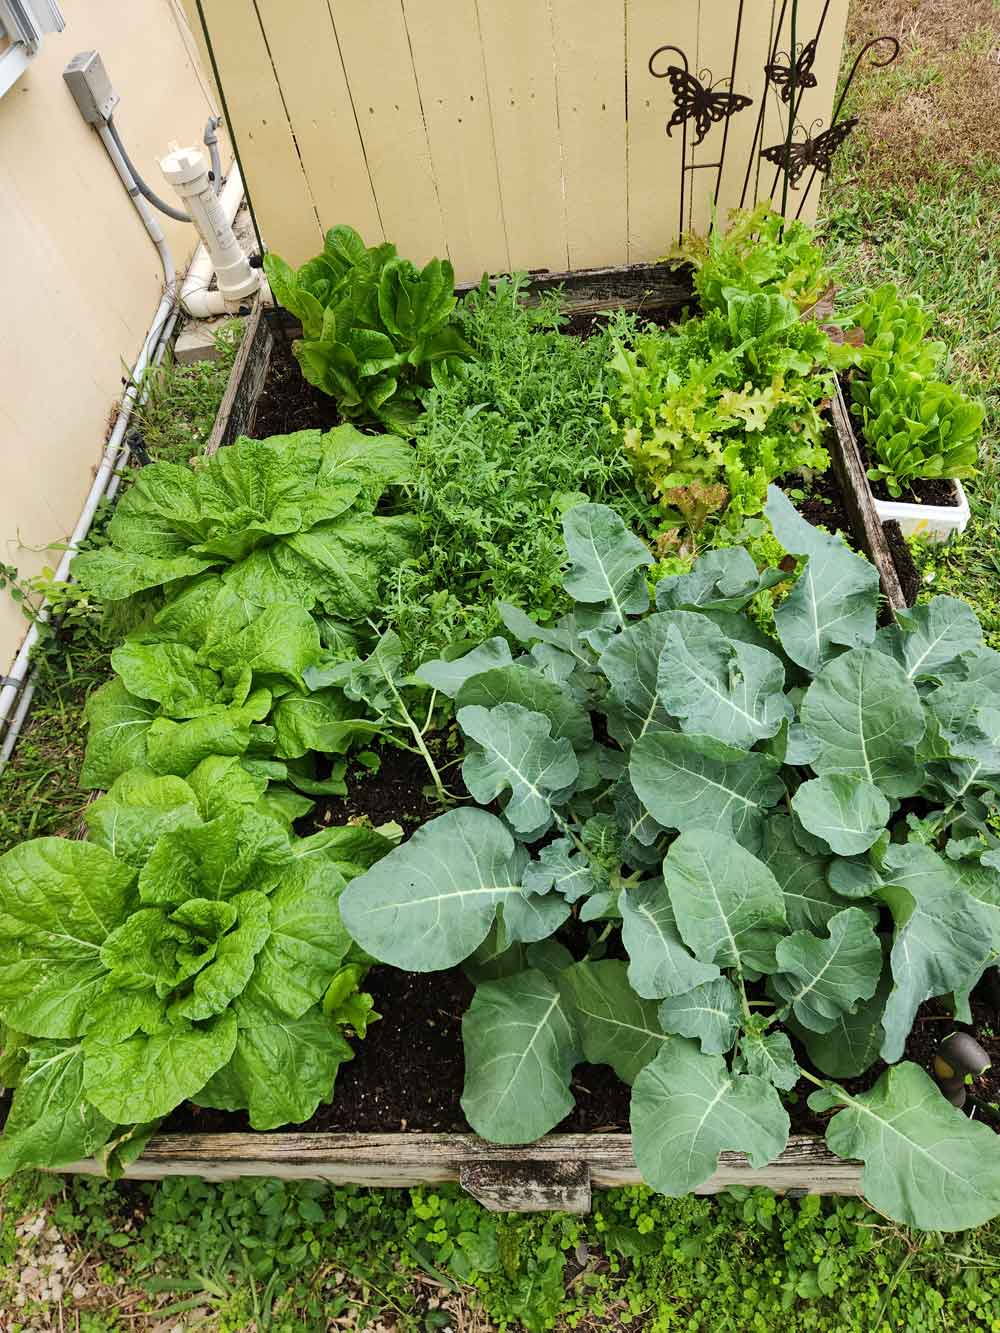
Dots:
{"x": 439, "y": 787}
{"x": 811, "y": 1077}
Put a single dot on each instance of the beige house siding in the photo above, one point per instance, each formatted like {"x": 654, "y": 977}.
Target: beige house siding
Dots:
{"x": 79, "y": 277}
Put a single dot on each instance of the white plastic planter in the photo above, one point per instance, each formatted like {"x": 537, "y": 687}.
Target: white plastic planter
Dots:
{"x": 933, "y": 523}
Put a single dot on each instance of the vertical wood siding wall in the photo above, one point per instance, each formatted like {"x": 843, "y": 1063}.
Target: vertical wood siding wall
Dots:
{"x": 506, "y": 133}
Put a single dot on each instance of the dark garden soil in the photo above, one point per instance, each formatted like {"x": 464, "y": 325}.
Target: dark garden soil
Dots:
{"x": 925, "y": 490}
{"x": 407, "y": 1074}
{"x": 902, "y": 558}
{"x": 820, "y": 501}
{"x": 401, "y": 790}
{"x": 287, "y": 402}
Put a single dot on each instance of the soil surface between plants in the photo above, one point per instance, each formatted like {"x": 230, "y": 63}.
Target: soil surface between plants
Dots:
{"x": 288, "y": 402}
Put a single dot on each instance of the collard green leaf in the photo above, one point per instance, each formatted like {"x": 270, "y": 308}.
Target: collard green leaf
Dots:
{"x": 528, "y": 688}
{"x": 520, "y": 1049}
{"x": 823, "y": 979}
{"x": 845, "y": 812}
{"x": 930, "y": 637}
{"x": 926, "y": 1165}
{"x": 117, "y": 726}
{"x": 143, "y": 1077}
{"x": 724, "y": 580}
{"x": 561, "y": 867}
{"x": 834, "y": 600}
{"x": 616, "y": 1027}
{"x": 606, "y": 561}
{"x": 660, "y": 964}
{"x": 942, "y": 941}
{"x": 137, "y": 810}
{"x": 430, "y": 902}
{"x": 697, "y": 782}
{"x": 728, "y": 906}
{"x": 868, "y": 719}
{"x": 514, "y": 750}
{"x": 810, "y": 902}
{"x": 498, "y": 956}
{"x": 631, "y": 663}
{"x": 768, "y": 1055}
{"x": 687, "y": 1108}
{"x": 720, "y": 687}
{"x": 449, "y": 676}
{"x": 710, "y": 1014}
{"x": 852, "y": 1045}
{"x": 50, "y": 1122}
{"x": 59, "y": 902}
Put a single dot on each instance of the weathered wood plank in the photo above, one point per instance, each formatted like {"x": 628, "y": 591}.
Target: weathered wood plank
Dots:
{"x": 409, "y": 1159}
{"x": 528, "y": 1187}
{"x": 867, "y": 525}
{"x": 246, "y": 381}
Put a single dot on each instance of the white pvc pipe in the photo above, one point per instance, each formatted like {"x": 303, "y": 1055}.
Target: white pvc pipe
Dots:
{"x": 107, "y": 478}
{"x": 197, "y": 300}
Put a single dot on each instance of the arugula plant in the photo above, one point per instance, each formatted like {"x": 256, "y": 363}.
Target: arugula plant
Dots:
{"x": 503, "y": 451}
{"x": 789, "y": 837}
{"x": 378, "y": 332}
{"x": 733, "y": 396}
{"x": 758, "y": 252}
{"x": 255, "y": 569}
{"x": 191, "y": 950}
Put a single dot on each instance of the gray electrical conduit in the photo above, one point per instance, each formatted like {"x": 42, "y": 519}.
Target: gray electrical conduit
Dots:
{"x": 211, "y": 141}
{"x": 19, "y": 686}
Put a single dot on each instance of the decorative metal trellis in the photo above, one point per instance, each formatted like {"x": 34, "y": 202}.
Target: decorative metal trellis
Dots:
{"x": 790, "y": 74}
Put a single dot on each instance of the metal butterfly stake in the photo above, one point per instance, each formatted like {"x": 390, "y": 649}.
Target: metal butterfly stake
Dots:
{"x": 815, "y": 150}
{"x": 705, "y": 103}
{"x": 790, "y": 74}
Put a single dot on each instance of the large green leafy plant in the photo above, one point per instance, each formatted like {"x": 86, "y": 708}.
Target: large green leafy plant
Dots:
{"x": 915, "y": 426}
{"x": 377, "y": 332}
{"x": 191, "y": 950}
{"x": 733, "y": 396}
{"x": 758, "y": 251}
{"x": 254, "y": 569}
{"x": 780, "y": 841}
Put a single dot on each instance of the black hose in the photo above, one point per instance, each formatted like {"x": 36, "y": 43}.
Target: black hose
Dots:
{"x": 140, "y": 184}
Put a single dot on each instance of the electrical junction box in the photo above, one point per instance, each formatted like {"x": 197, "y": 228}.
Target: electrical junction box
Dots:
{"x": 88, "y": 81}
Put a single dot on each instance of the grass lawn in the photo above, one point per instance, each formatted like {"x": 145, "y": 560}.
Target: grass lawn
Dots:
{"x": 916, "y": 199}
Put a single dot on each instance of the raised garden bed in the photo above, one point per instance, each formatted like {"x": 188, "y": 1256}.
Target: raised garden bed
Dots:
{"x": 558, "y": 1170}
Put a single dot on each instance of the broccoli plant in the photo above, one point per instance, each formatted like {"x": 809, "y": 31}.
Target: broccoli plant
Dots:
{"x": 781, "y": 845}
